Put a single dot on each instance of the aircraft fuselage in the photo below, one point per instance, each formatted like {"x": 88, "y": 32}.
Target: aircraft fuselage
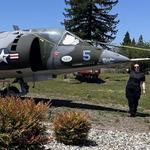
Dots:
{"x": 44, "y": 52}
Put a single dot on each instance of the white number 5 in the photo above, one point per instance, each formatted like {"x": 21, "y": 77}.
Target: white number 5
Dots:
{"x": 86, "y": 55}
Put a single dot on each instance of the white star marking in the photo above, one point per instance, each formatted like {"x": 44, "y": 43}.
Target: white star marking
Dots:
{"x": 3, "y": 57}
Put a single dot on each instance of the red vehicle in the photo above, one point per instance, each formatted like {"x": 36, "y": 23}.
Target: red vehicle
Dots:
{"x": 88, "y": 74}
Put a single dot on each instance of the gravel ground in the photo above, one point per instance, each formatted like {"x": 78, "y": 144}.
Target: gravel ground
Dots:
{"x": 111, "y": 129}
{"x": 102, "y": 139}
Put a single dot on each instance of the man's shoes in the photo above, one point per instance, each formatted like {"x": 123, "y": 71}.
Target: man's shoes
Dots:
{"x": 132, "y": 115}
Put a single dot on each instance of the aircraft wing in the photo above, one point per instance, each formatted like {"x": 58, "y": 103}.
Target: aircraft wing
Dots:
{"x": 139, "y": 59}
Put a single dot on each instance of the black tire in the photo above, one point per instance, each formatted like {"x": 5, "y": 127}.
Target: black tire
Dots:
{"x": 12, "y": 91}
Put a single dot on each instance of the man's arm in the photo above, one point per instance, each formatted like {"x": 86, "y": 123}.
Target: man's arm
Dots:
{"x": 143, "y": 87}
{"x": 128, "y": 70}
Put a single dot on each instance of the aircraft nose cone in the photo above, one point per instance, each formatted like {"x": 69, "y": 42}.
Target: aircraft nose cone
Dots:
{"x": 108, "y": 57}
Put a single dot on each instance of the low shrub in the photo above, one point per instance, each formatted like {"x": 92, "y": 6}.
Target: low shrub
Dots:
{"x": 71, "y": 128}
{"x": 21, "y": 124}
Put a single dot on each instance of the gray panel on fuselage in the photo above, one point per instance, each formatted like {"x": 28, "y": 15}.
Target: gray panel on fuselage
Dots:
{"x": 7, "y": 38}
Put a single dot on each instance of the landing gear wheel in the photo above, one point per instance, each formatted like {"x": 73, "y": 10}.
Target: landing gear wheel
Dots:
{"x": 23, "y": 85}
{"x": 10, "y": 91}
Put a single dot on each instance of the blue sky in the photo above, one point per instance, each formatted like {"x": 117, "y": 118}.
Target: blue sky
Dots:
{"x": 134, "y": 16}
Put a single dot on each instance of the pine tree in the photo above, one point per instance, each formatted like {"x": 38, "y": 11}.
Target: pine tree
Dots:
{"x": 127, "y": 39}
{"x": 133, "y": 42}
{"x": 91, "y": 19}
{"x": 140, "y": 41}
{"x": 127, "y": 42}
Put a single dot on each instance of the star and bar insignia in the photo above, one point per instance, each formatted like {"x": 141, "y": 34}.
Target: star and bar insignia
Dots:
{"x": 5, "y": 56}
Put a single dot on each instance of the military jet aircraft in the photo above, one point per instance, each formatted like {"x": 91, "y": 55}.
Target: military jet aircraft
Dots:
{"x": 37, "y": 54}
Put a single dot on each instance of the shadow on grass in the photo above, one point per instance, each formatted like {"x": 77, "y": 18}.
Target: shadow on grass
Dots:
{"x": 79, "y": 105}
{"x": 90, "y": 80}
{"x": 139, "y": 114}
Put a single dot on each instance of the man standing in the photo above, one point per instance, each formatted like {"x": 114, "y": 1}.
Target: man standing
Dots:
{"x": 133, "y": 88}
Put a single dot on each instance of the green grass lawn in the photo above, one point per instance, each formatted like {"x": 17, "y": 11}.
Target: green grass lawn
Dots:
{"x": 110, "y": 92}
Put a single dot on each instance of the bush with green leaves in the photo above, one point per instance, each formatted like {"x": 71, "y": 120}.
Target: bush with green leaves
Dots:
{"x": 71, "y": 128}
{"x": 21, "y": 124}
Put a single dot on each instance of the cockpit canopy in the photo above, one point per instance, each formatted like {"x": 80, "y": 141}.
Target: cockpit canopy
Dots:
{"x": 59, "y": 36}
{"x": 70, "y": 39}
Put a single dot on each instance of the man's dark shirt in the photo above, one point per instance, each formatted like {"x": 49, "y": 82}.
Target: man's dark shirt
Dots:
{"x": 135, "y": 79}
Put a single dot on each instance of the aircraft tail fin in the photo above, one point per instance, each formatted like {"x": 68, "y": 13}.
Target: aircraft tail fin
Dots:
{"x": 16, "y": 28}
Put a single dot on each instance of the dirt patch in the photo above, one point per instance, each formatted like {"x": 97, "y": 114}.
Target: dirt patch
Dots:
{"x": 102, "y": 116}
{"x": 105, "y": 116}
